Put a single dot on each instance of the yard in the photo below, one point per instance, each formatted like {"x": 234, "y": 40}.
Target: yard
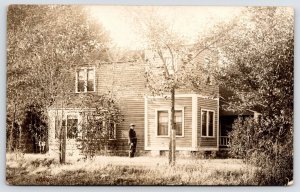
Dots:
{"x": 32, "y": 169}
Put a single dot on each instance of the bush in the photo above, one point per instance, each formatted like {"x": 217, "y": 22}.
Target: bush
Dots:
{"x": 266, "y": 143}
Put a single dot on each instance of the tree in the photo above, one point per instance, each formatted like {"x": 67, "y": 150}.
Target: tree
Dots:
{"x": 172, "y": 64}
{"x": 164, "y": 44}
{"x": 259, "y": 57}
{"x": 98, "y": 126}
{"x": 45, "y": 43}
{"x": 256, "y": 57}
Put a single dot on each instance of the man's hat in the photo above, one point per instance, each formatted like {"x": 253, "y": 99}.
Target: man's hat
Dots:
{"x": 131, "y": 124}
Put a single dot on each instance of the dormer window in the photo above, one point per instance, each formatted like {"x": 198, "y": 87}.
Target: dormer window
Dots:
{"x": 85, "y": 80}
{"x": 207, "y": 63}
{"x": 171, "y": 64}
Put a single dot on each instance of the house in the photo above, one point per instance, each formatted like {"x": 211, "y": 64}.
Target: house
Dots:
{"x": 197, "y": 114}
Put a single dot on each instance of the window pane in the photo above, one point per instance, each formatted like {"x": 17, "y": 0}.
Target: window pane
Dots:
{"x": 162, "y": 123}
{"x": 80, "y": 80}
{"x": 90, "y": 79}
{"x": 90, "y": 85}
{"x": 210, "y": 123}
{"x": 72, "y": 127}
{"x": 80, "y": 86}
{"x": 204, "y": 114}
{"x": 91, "y": 74}
{"x": 81, "y": 74}
{"x": 178, "y": 123}
{"x": 112, "y": 131}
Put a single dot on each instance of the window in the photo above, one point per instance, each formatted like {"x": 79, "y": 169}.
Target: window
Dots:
{"x": 108, "y": 127}
{"x": 112, "y": 131}
{"x": 72, "y": 127}
{"x": 208, "y": 66}
{"x": 90, "y": 79}
{"x": 207, "y": 63}
{"x": 163, "y": 122}
{"x": 85, "y": 80}
{"x": 207, "y": 123}
{"x": 178, "y": 123}
{"x": 171, "y": 64}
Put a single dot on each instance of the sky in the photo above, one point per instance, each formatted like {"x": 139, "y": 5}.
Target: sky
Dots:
{"x": 188, "y": 21}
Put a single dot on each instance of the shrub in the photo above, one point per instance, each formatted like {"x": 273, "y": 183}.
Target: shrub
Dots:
{"x": 99, "y": 126}
{"x": 266, "y": 143}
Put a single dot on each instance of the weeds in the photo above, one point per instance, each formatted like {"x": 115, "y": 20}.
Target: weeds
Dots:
{"x": 41, "y": 170}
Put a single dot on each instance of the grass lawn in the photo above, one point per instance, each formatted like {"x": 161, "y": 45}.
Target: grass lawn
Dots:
{"x": 31, "y": 169}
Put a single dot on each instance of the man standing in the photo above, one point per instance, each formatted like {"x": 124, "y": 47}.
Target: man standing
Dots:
{"x": 132, "y": 140}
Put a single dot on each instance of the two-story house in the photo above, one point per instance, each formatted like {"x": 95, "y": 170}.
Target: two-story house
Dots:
{"x": 197, "y": 115}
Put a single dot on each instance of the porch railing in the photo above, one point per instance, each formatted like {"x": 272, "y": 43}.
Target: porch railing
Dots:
{"x": 224, "y": 141}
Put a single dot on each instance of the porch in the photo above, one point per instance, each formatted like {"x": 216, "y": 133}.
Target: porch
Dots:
{"x": 224, "y": 143}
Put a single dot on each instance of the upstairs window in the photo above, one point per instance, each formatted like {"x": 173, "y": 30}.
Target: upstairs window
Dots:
{"x": 207, "y": 123}
{"x": 85, "y": 80}
{"x": 207, "y": 63}
{"x": 208, "y": 67}
{"x": 171, "y": 64}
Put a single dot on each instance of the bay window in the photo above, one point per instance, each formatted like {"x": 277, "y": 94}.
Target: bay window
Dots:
{"x": 207, "y": 123}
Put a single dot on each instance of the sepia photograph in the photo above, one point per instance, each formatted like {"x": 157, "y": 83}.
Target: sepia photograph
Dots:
{"x": 115, "y": 95}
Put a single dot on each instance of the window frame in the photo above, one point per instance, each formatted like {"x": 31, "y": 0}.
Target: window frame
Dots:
{"x": 156, "y": 122}
{"x": 105, "y": 125}
{"x": 169, "y": 126}
{"x": 64, "y": 117}
{"x": 171, "y": 63}
{"x": 77, "y": 126}
{"x": 182, "y": 122}
{"x": 85, "y": 80}
{"x": 207, "y": 123}
{"x": 115, "y": 132}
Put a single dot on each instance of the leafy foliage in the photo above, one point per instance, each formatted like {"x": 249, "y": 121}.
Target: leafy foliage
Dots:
{"x": 258, "y": 60}
{"x": 44, "y": 43}
{"x": 266, "y": 143}
{"x": 98, "y": 126}
{"x": 34, "y": 127}
{"x": 171, "y": 64}
{"x": 255, "y": 60}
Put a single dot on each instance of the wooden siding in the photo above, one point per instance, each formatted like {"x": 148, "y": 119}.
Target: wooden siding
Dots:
{"x": 162, "y": 143}
{"x": 126, "y": 83}
{"x": 209, "y": 104}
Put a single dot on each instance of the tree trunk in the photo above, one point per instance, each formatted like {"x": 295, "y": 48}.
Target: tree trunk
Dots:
{"x": 11, "y": 134}
{"x": 20, "y": 142}
{"x": 63, "y": 140}
{"x": 64, "y": 143}
{"x": 172, "y": 146}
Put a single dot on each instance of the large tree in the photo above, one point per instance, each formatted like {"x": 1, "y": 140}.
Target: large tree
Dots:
{"x": 44, "y": 43}
{"x": 258, "y": 59}
{"x": 258, "y": 54}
